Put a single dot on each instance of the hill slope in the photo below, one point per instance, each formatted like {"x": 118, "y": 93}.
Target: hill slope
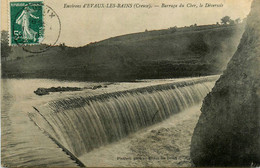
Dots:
{"x": 202, "y": 50}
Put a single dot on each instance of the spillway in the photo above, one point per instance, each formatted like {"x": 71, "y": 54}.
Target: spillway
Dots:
{"x": 81, "y": 124}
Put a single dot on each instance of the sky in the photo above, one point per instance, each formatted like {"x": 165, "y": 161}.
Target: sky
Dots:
{"x": 80, "y": 26}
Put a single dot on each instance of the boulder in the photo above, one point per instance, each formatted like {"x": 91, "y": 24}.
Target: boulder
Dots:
{"x": 96, "y": 87}
{"x": 228, "y": 130}
{"x": 41, "y": 91}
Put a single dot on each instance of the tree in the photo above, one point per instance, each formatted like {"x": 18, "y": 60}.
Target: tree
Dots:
{"x": 225, "y": 20}
{"x": 244, "y": 20}
{"x": 5, "y": 48}
{"x": 62, "y": 46}
{"x": 232, "y": 22}
{"x": 238, "y": 20}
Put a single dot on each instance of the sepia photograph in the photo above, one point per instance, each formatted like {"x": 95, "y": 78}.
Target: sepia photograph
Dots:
{"x": 133, "y": 83}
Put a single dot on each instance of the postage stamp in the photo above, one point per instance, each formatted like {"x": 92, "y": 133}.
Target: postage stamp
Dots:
{"x": 26, "y": 22}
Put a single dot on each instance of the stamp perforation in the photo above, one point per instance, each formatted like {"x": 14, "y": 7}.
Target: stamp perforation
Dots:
{"x": 47, "y": 37}
{"x": 10, "y": 25}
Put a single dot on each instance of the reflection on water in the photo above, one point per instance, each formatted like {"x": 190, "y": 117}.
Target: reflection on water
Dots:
{"x": 22, "y": 143}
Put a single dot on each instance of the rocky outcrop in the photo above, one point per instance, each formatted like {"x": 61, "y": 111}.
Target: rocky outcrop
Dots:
{"x": 45, "y": 91}
{"x": 228, "y": 130}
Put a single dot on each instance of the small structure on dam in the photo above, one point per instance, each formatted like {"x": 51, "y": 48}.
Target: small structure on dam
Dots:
{"x": 228, "y": 130}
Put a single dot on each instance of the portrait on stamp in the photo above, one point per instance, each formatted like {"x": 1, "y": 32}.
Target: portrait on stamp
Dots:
{"x": 26, "y": 22}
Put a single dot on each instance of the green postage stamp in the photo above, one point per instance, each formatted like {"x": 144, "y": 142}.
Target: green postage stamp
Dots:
{"x": 26, "y": 23}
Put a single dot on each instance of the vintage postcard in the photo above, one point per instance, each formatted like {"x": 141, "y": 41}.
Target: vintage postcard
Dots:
{"x": 130, "y": 83}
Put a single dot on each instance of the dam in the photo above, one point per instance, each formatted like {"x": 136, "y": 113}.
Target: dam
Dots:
{"x": 60, "y": 128}
{"x": 83, "y": 123}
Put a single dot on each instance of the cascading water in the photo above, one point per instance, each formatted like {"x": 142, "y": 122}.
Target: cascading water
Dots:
{"x": 84, "y": 123}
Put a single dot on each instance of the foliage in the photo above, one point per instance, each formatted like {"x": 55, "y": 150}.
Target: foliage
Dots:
{"x": 225, "y": 20}
{"x": 5, "y": 48}
{"x": 62, "y": 46}
{"x": 232, "y": 22}
{"x": 238, "y": 20}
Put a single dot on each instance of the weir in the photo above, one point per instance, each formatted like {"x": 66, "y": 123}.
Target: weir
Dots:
{"x": 81, "y": 124}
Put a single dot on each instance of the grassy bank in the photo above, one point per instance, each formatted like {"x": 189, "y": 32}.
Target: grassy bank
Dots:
{"x": 175, "y": 52}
